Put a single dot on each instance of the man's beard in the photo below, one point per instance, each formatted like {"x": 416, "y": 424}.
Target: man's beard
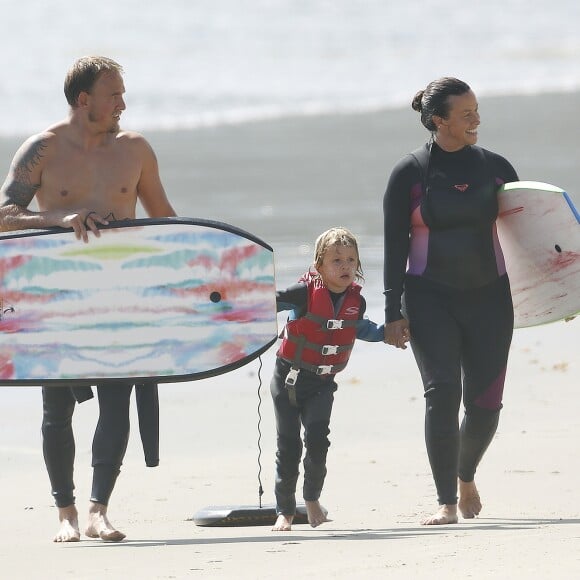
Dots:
{"x": 114, "y": 128}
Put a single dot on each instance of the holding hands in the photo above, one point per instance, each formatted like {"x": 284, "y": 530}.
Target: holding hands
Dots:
{"x": 397, "y": 333}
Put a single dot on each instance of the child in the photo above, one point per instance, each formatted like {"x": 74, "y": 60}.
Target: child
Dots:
{"x": 327, "y": 317}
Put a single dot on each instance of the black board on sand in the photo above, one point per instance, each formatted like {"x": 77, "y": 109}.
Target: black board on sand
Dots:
{"x": 240, "y": 515}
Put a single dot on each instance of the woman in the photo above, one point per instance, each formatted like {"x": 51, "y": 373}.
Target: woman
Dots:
{"x": 446, "y": 287}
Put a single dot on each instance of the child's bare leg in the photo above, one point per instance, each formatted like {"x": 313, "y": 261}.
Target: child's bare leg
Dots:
{"x": 69, "y": 525}
{"x": 99, "y": 525}
{"x": 446, "y": 514}
{"x": 469, "y": 500}
{"x": 283, "y": 523}
{"x": 316, "y": 513}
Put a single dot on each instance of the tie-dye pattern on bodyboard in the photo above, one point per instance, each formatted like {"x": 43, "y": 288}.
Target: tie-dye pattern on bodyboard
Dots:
{"x": 174, "y": 299}
{"x": 539, "y": 232}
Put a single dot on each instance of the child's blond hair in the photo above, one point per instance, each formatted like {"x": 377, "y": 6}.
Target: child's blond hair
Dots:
{"x": 336, "y": 237}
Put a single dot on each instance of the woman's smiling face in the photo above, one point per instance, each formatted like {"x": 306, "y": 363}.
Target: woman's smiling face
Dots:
{"x": 460, "y": 127}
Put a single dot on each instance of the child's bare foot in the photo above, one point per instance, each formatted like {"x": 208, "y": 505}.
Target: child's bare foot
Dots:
{"x": 283, "y": 523}
{"x": 316, "y": 513}
{"x": 469, "y": 501}
{"x": 99, "y": 525}
{"x": 69, "y": 525}
{"x": 447, "y": 514}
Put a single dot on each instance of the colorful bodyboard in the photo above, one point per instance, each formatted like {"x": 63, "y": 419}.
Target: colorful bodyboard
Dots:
{"x": 539, "y": 231}
{"x": 170, "y": 299}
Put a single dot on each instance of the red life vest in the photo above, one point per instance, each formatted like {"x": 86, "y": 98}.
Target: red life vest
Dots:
{"x": 321, "y": 341}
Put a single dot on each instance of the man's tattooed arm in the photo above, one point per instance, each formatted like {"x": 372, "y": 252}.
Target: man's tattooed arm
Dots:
{"x": 18, "y": 193}
{"x": 20, "y": 187}
{"x": 22, "y": 183}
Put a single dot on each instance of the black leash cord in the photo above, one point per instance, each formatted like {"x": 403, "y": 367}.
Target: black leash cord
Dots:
{"x": 260, "y": 488}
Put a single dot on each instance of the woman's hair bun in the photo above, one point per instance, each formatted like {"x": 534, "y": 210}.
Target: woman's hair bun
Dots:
{"x": 416, "y": 102}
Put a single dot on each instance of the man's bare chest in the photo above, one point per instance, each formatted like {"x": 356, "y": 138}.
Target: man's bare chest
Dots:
{"x": 78, "y": 178}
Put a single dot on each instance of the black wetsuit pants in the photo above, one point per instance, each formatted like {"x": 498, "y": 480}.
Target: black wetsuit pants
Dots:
{"x": 109, "y": 442}
{"x": 460, "y": 340}
{"x": 315, "y": 396}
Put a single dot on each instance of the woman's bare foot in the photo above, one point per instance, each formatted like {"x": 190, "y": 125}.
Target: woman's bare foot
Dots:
{"x": 447, "y": 514}
{"x": 283, "y": 523}
{"x": 99, "y": 525}
{"x": 469, "y": 501}
{"x": 316, "y": 513}
{"x": 69, "y": 525}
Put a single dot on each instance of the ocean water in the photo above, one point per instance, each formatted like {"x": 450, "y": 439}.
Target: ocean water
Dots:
{"x": 191, "y": 63}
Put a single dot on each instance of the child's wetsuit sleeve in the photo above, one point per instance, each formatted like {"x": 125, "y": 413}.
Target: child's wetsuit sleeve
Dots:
{"x": 295, "y": 298}
{"x": 367, "y": 329}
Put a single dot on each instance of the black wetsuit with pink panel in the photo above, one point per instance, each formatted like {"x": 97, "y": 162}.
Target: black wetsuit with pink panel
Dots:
{"x": 444, "y": 271}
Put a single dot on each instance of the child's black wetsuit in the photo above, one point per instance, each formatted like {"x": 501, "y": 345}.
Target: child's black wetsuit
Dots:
{"x": 314, "y": 399}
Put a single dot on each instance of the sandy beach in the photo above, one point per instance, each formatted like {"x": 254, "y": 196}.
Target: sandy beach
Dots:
{"x": 286, "y": 181}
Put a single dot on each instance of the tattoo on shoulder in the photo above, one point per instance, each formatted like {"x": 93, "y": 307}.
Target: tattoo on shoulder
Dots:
{"x": 21, "y": 190}
{"x": 29, "y": 159}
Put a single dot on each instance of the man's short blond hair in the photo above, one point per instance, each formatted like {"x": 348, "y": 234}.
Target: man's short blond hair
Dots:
{"x": 84, "y": 73}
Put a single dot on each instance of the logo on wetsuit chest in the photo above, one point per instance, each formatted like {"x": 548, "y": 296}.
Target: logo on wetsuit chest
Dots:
{"x": 461, "y": 187}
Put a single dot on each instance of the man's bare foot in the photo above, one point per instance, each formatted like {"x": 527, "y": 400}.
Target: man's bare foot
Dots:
{"x": 447, "y": 514}
{"x": 283, "y": 523}
{"x": 99, "y": 525}
{"x": 316, "y": 513}
{"x": 469, "y": 501}
{"x": 69, "y": 525}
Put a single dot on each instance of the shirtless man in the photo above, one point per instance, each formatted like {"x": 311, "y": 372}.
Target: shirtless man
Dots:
{"x": 82, "y": 172}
